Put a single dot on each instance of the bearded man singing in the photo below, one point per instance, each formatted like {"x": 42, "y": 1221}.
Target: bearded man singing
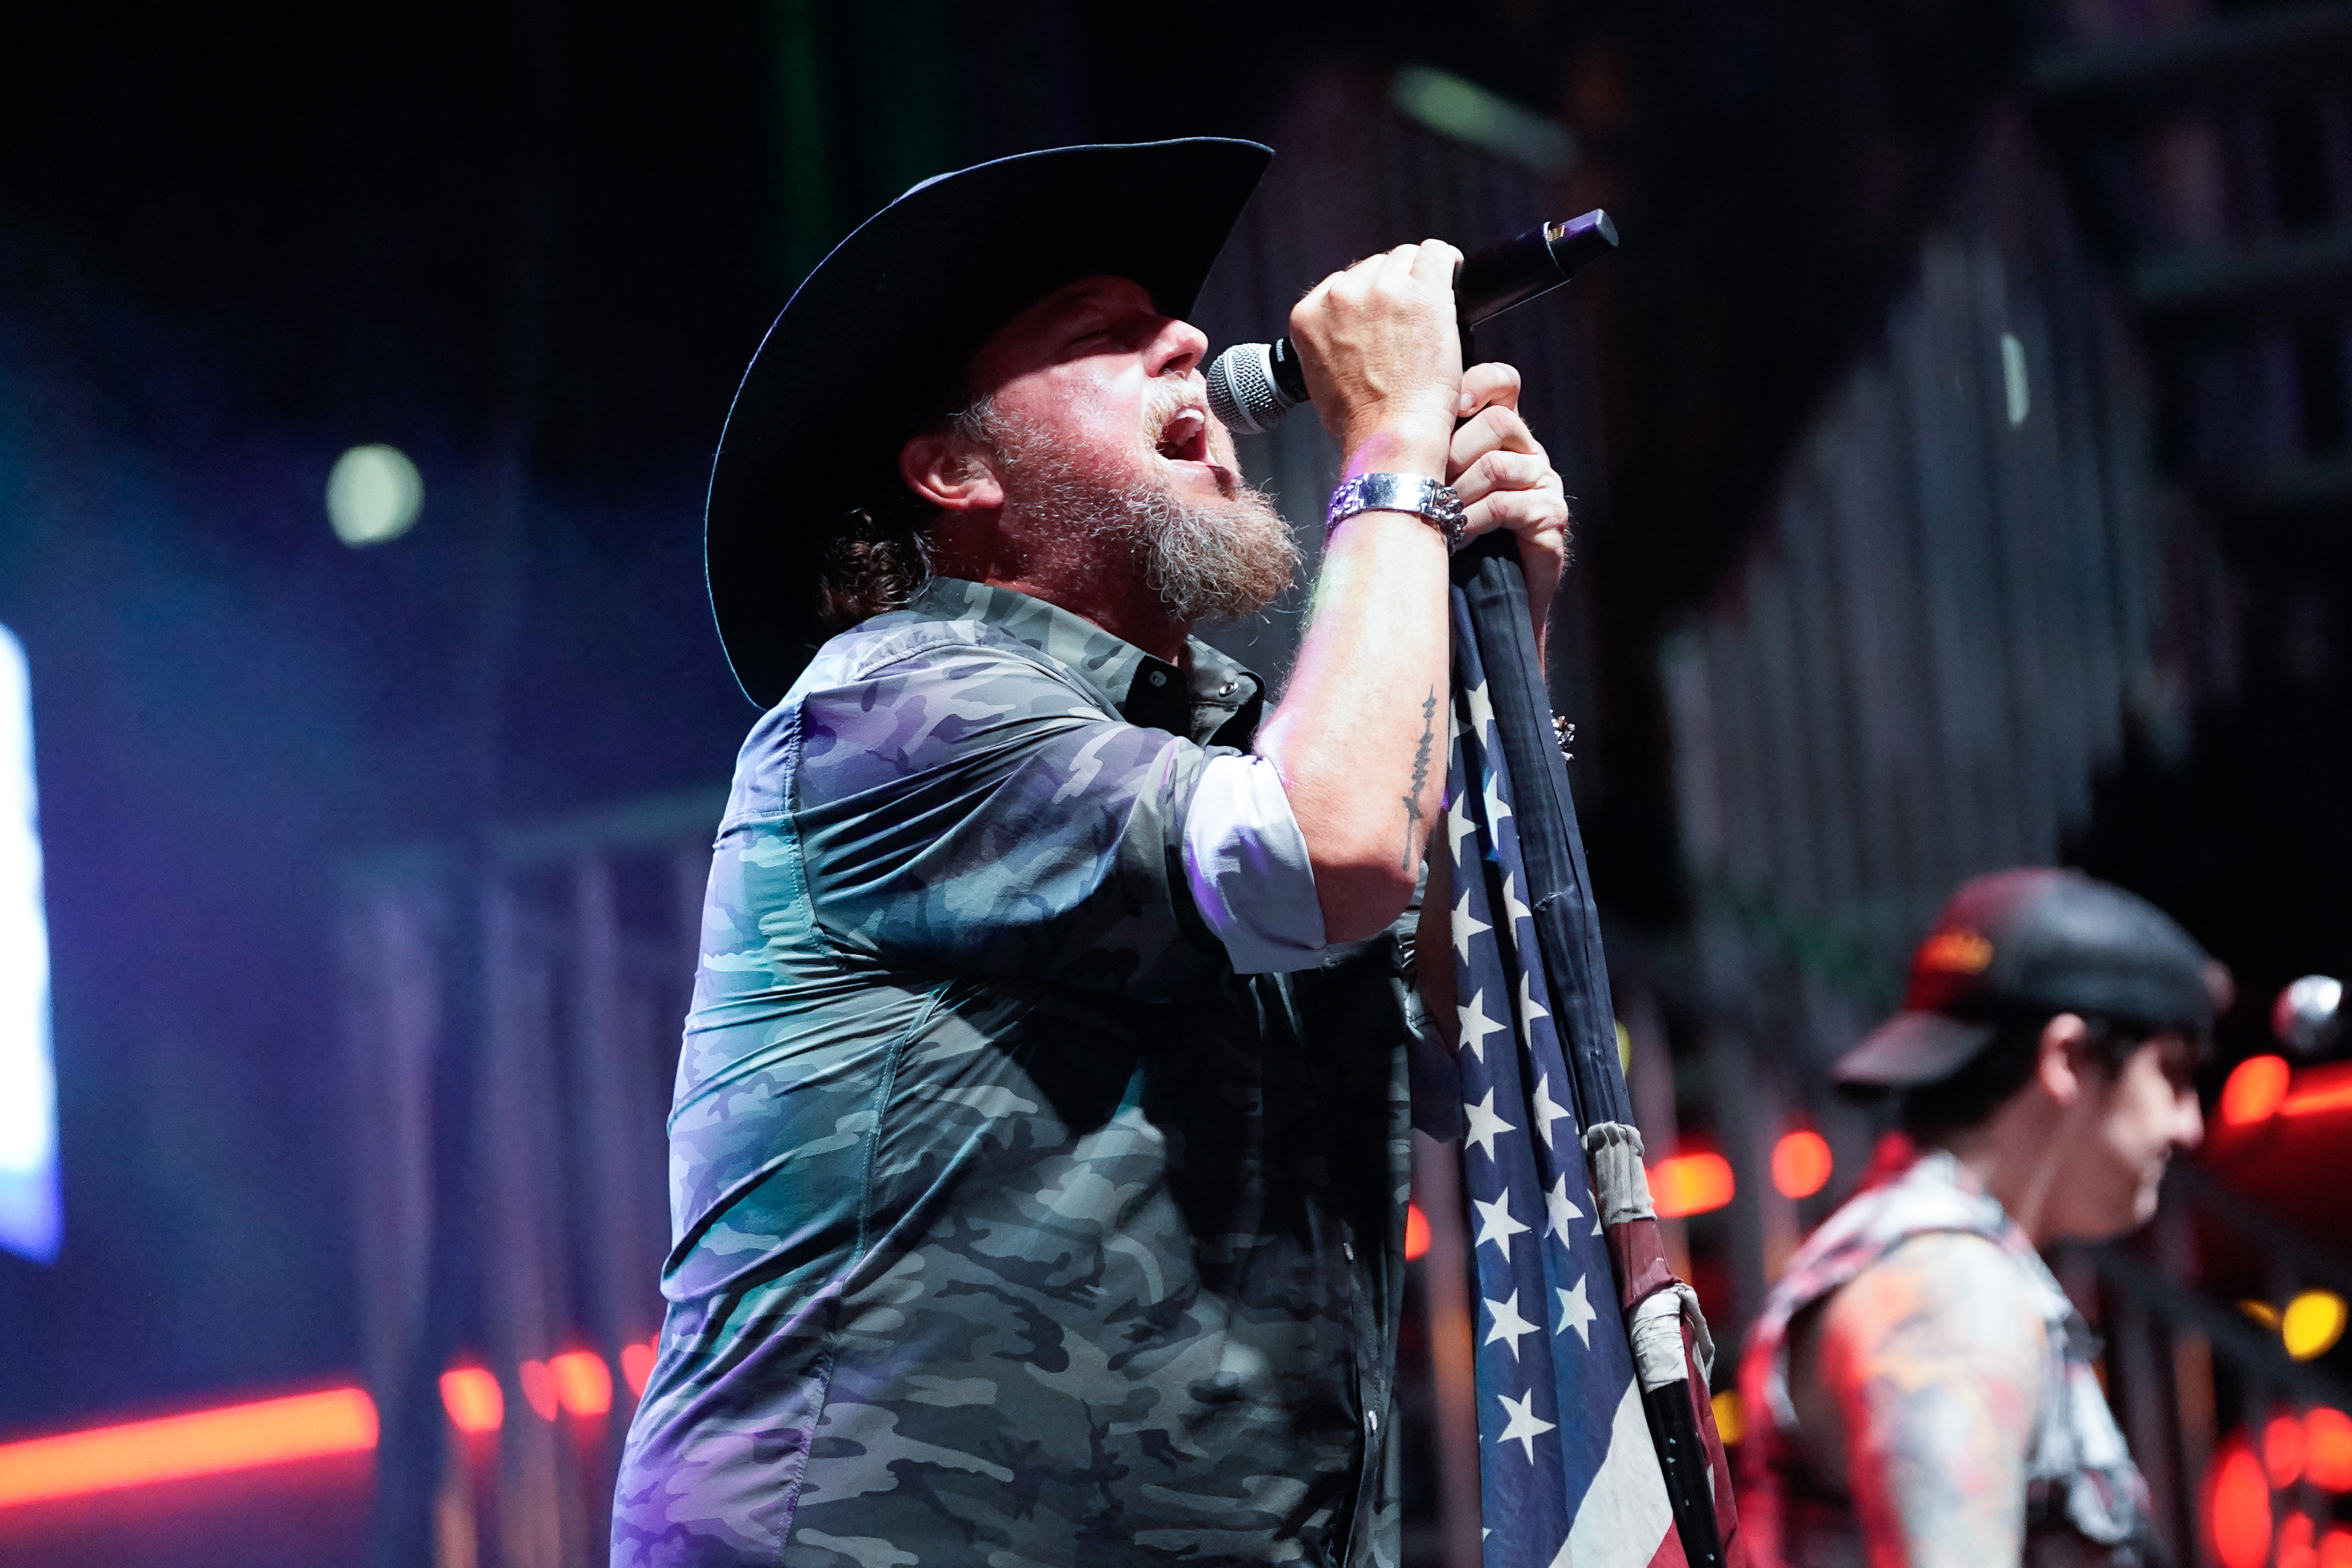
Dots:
{"x": 1039, "y": 1141}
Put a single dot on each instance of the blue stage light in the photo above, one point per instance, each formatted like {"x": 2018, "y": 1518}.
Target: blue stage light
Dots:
{"x": 31, "y": 1220}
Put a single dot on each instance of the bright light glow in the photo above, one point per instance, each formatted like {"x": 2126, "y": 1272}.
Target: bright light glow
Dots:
{"x": 1690, "y": 1183}
{"x": 1416, "y": 1232}
{"x": 2304, "y": 1017}
{"x": 31, "y": 1222}
{"x": 2328, "y": 1449}
{"x": 637, "y": 1362}
{"x": 582, "y": 1382}
{"x": 1730, "y": 1418}
{"x": 208, "y": 1443}
{"x": 2335, "y": 1548}
{"x": 2254, "y": 1090}
{"x": 2295, "y": 1549}
{"x": 2319, "y": 1098}
{"x": 374, "y": 495}
{"x": 2261, "y": 1312}
{"x": 2311, "y": 1324}
{"x": 2240, "y": 1511}
{"x": 473, "y": 1399}
{"x": 2283, "y": 1450}
{"x": 1802, "y": 1163}
{"x": 1452, "y": 106}
{"x": 2013, "y": 384}
{"x": 538, "y": 1389}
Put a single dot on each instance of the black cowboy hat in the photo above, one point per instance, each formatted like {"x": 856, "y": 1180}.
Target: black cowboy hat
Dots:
{"x": 870, "y": 341}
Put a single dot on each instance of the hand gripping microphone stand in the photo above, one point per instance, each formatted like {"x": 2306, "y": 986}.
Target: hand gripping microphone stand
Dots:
{"x": 1251, "y": 386}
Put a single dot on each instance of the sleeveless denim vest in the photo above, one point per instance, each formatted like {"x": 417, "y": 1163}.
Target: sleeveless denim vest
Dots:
{"x": 2085, "y": 1498}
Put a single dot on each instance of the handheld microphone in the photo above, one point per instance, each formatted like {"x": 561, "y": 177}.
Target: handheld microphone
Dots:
{"x": 1253, "y": 385}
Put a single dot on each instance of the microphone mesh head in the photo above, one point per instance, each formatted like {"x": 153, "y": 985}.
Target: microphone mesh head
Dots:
{"x": 1242, "y": 393}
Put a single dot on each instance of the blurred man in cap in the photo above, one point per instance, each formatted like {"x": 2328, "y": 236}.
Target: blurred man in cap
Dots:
{"x": 1039, "y": 1144}
{"x": 1921, "y": 1390}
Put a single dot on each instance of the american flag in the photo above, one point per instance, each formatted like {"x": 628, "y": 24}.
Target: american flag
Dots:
{"x": 1568, "y": 1472}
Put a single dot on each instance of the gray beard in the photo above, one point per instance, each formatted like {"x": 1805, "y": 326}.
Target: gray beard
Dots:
{"x": 1221, "y": 561}
{"x": 1216, "y": 561}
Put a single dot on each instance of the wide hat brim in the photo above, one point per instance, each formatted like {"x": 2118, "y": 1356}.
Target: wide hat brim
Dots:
{"x": 867, "y": 344}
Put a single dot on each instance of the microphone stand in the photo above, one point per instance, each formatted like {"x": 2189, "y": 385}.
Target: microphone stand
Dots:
{"x": 1487, "y": 584}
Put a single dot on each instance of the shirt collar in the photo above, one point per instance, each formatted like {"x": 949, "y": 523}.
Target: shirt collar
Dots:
{"x": 1220, "y": 702}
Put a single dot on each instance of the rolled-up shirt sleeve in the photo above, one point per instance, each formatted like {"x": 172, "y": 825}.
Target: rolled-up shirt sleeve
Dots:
{"x": 1246, "y": 863}
{"x": 964, "y": 808}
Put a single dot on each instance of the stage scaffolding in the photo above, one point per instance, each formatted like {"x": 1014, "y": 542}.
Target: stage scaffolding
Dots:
{"x": 511, "y": 1025}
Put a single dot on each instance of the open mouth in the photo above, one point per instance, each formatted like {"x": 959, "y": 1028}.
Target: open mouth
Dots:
{"x": 1185, "y": 437}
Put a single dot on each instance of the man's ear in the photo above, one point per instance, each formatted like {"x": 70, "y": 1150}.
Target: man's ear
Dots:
{"x": 2056, "y": 1066}
{"x": 945, "y": 471}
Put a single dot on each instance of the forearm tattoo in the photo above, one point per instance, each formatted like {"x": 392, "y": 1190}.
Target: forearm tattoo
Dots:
{"x": 1935, "y": 1355}
{"x": 1413, "y": 812}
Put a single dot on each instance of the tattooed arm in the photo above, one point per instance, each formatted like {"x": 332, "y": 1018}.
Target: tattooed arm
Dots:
{"x": 1359, "y": 737}
{"x": 1931, "y": 1361}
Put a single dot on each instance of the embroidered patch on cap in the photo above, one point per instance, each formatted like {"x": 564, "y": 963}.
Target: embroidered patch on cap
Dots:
{"x": 1959, "y": 951}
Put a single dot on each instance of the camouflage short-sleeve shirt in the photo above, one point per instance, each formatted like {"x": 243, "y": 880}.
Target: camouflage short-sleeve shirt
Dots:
{"x": 1011, "y": 1226}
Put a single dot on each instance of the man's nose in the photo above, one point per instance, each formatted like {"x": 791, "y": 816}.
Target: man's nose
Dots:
{"x": 1176, "y": 348}
{"x": 2191, "y": 1130}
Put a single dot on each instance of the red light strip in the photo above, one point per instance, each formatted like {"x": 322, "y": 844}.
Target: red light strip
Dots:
{"x": 207, "y": 1443}
{"x": 2329, "y": 1097}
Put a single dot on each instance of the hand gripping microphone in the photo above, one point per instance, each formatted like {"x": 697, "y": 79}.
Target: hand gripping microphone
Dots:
{"x": 1253, "y": 385}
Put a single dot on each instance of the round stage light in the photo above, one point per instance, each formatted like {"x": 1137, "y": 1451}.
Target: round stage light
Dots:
{"x": 374, "y": 495}
{"x": 2311, "y": 1324}
{"x": 2328, "y": 1449}
{"x": 2239, "y": 1508}
{"x": 1685, "y": 1184}
{"x": 1802, "y": 1163}
{"x": 473, "y": 1399}
{"x": 2282, "y": 1451}
{"x": 538, "y": 1389}
{"x": 638, "y": 1358}
{"x": 584, "y": 1384}
{"x": 2255, "y": 1089}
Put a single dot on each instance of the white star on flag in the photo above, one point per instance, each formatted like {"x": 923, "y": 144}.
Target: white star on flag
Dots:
{"x": 1482, "y": 712}
{"x": 1496, "y": 809}
{"x": 1484, "y": 1126}
{"x": 1575, "y": 1311}
{"x": 1562, "y": 1211}
{"x": 1476, "y": 1026}
{"x": 1458, "y": 826}
{"x": 1508, "y": 1326}
{"x": 1530, "y": 1008}
{"x": 1548, "y": 1110}
{"x": 1524, "y": 1428}
{"x": 1511, "y": 905}
{"x": 1495, "y": 1223}
{"x": 1466, "y": 926}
